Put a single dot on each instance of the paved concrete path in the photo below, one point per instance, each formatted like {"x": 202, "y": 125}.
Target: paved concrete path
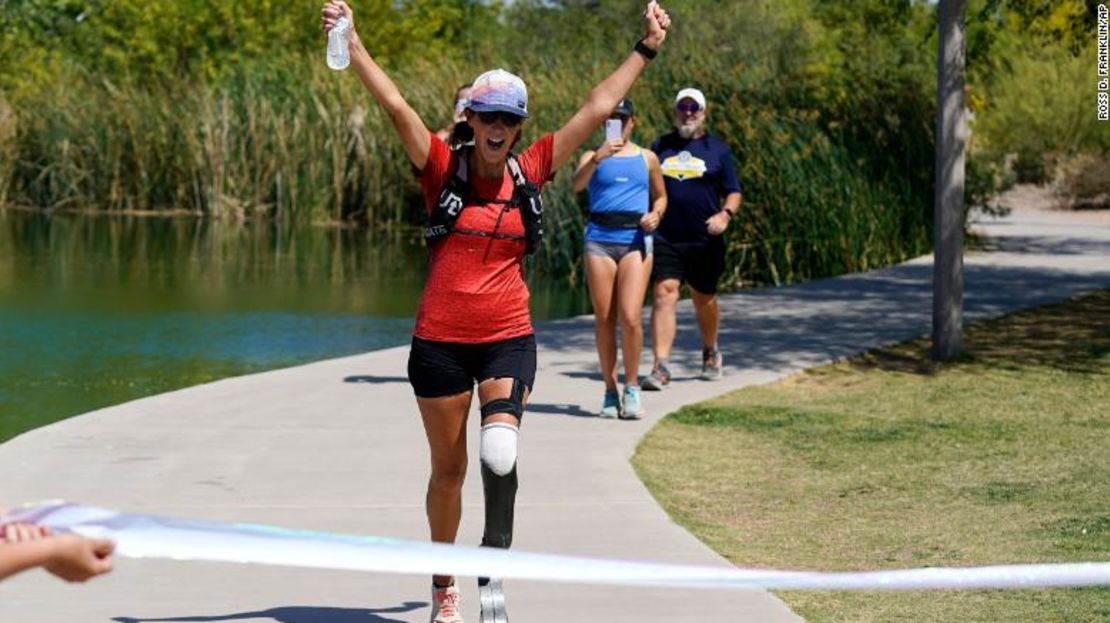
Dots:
{"x": 337, "y": 446}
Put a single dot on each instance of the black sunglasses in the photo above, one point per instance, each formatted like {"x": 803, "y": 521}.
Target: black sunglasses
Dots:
{"x": 508, "y": 119}
{"x": 688, "y": 107}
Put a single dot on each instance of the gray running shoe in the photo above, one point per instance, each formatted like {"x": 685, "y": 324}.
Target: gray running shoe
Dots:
{"x": 712, "y": 364}
{"x": 611, "y": 405}
{"x": 658, "y": 379}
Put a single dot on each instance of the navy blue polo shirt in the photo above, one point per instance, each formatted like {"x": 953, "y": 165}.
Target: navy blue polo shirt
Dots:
{"x": 698, "y": 174}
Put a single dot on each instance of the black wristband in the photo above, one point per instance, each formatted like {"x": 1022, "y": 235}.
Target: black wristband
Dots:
{"x": 644, "y": 51}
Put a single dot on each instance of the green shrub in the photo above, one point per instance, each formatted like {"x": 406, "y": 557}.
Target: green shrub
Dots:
{"x": 1042, "y": 106}
{"x": 987, "y": 177}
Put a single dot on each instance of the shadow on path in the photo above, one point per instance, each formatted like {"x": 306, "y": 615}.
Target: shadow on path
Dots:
{"x": 771, "y": 328}
{"x": 1071, "y": 336}
{"x": 295, "y": 614}
{"x": 559, "y": 409}
{"x": 375, "y": 380}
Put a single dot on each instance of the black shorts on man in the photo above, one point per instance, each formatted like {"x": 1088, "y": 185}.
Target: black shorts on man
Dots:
{"x": 699, "y": 264}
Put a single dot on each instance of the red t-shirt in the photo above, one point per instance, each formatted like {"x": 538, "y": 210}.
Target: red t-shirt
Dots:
{"x": 476, "y": 291}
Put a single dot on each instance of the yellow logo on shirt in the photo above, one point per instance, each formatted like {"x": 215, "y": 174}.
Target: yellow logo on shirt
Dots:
{"x": 683, "y": 166}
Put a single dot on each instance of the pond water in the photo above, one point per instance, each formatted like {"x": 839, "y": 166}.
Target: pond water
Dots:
{"x": 95, "y": 310}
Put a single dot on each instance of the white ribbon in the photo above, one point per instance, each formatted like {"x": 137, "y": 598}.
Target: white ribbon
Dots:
{"x": 151, "y": 536}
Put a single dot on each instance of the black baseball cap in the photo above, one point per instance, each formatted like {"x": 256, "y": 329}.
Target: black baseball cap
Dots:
{"x": 624, "y": 108}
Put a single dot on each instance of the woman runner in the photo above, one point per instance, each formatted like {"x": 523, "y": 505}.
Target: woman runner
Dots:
{"x": 627, "y": 200}
{"x": 473, "y": 324}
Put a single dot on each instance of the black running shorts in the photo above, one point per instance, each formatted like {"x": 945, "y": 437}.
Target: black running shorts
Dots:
{"x": 438, "y": 369}
{"x": 700, "y": 264}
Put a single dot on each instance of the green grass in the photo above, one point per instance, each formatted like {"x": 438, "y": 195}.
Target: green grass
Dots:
{"x": 889, "y": 460}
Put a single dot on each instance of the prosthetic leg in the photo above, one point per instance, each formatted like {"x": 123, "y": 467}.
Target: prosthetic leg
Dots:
{"x": 499, "y": 481}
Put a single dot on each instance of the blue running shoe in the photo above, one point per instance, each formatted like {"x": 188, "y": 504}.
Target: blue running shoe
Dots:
{"x": 611, "y": 406}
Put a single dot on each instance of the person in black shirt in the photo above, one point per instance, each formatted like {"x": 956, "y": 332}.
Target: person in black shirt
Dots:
{"x": 703, "y": 195}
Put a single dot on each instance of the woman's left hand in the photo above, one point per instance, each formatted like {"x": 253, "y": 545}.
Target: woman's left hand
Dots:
{"x": 650, "y": 221}
{"x": 717, "y": 223}
{"x": 331, "y": 13}
{"x": 656, "y": 23}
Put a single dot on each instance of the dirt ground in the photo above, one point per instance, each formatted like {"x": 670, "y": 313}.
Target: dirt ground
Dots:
{"x": 1031, "y": 198}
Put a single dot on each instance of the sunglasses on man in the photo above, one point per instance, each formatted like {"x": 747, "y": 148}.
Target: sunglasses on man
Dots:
{"x": 508, "y": 119}
{"x": 688, "y": 107}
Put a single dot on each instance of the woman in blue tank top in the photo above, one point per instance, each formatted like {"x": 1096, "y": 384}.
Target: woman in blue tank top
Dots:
{"x": 627, "y": 200}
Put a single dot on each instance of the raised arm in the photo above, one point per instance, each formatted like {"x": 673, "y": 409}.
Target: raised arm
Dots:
{"x": 413, "y": 132}
{"x": 606, "y": 95}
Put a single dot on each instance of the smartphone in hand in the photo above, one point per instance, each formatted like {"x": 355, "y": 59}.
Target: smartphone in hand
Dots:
{"x": 613, "y": 130}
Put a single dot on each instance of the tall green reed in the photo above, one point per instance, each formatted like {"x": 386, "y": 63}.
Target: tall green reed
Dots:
{"x": 7, "y": 148}
{"x": 831, "y": 185}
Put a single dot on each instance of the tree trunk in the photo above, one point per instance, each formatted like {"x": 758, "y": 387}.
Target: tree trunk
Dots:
{"x": 948, "y": 205}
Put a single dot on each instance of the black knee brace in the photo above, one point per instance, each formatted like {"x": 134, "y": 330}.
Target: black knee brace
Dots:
{"x": 500, "y": 501}
{"x": 514, "y": 404}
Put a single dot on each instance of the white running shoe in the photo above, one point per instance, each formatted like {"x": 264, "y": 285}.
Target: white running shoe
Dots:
{"x": 446, "y": 604}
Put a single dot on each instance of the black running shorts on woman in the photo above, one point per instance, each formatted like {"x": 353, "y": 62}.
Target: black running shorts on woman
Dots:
{"x": 438, "y": 369}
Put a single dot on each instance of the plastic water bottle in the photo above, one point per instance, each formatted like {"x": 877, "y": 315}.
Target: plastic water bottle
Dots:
{"x": 339, "y": 57}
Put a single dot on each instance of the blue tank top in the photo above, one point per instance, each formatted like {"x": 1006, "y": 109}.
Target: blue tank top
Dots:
{"x": 620, "y": 184}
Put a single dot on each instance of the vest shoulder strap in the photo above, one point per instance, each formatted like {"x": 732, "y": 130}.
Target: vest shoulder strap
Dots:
{"x": 515, "y": 171}
{"x": 462, "y": 158}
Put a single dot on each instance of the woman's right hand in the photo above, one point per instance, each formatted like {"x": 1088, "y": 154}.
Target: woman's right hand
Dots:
{"x": 332, "y": 11}
{"x": 75, "y": 558}
{"x": 608, "y": 148}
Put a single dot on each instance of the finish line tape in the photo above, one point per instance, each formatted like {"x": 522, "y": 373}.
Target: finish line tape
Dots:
{"x": 152, "y": 536}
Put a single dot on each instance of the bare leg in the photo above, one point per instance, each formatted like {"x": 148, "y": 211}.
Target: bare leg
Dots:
{"x": 663, "y": 318}
{"x": 601, "y": 277}
{"x": 633, "y": 275}
{"x": 709, "y": 316}
{"x": 445, "y": 426}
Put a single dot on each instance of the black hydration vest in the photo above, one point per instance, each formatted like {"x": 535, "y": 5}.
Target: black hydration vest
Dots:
{"x": 456, "y": 196}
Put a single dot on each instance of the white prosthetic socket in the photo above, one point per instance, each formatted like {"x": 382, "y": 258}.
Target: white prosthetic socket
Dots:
{"x": 498, "y": 447}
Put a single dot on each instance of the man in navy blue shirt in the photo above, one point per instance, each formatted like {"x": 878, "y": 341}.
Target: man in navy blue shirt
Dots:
{"x": 703, "y": 196}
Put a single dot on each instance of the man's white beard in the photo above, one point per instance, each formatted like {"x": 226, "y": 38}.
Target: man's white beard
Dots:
{"x": 687, "y": 131}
